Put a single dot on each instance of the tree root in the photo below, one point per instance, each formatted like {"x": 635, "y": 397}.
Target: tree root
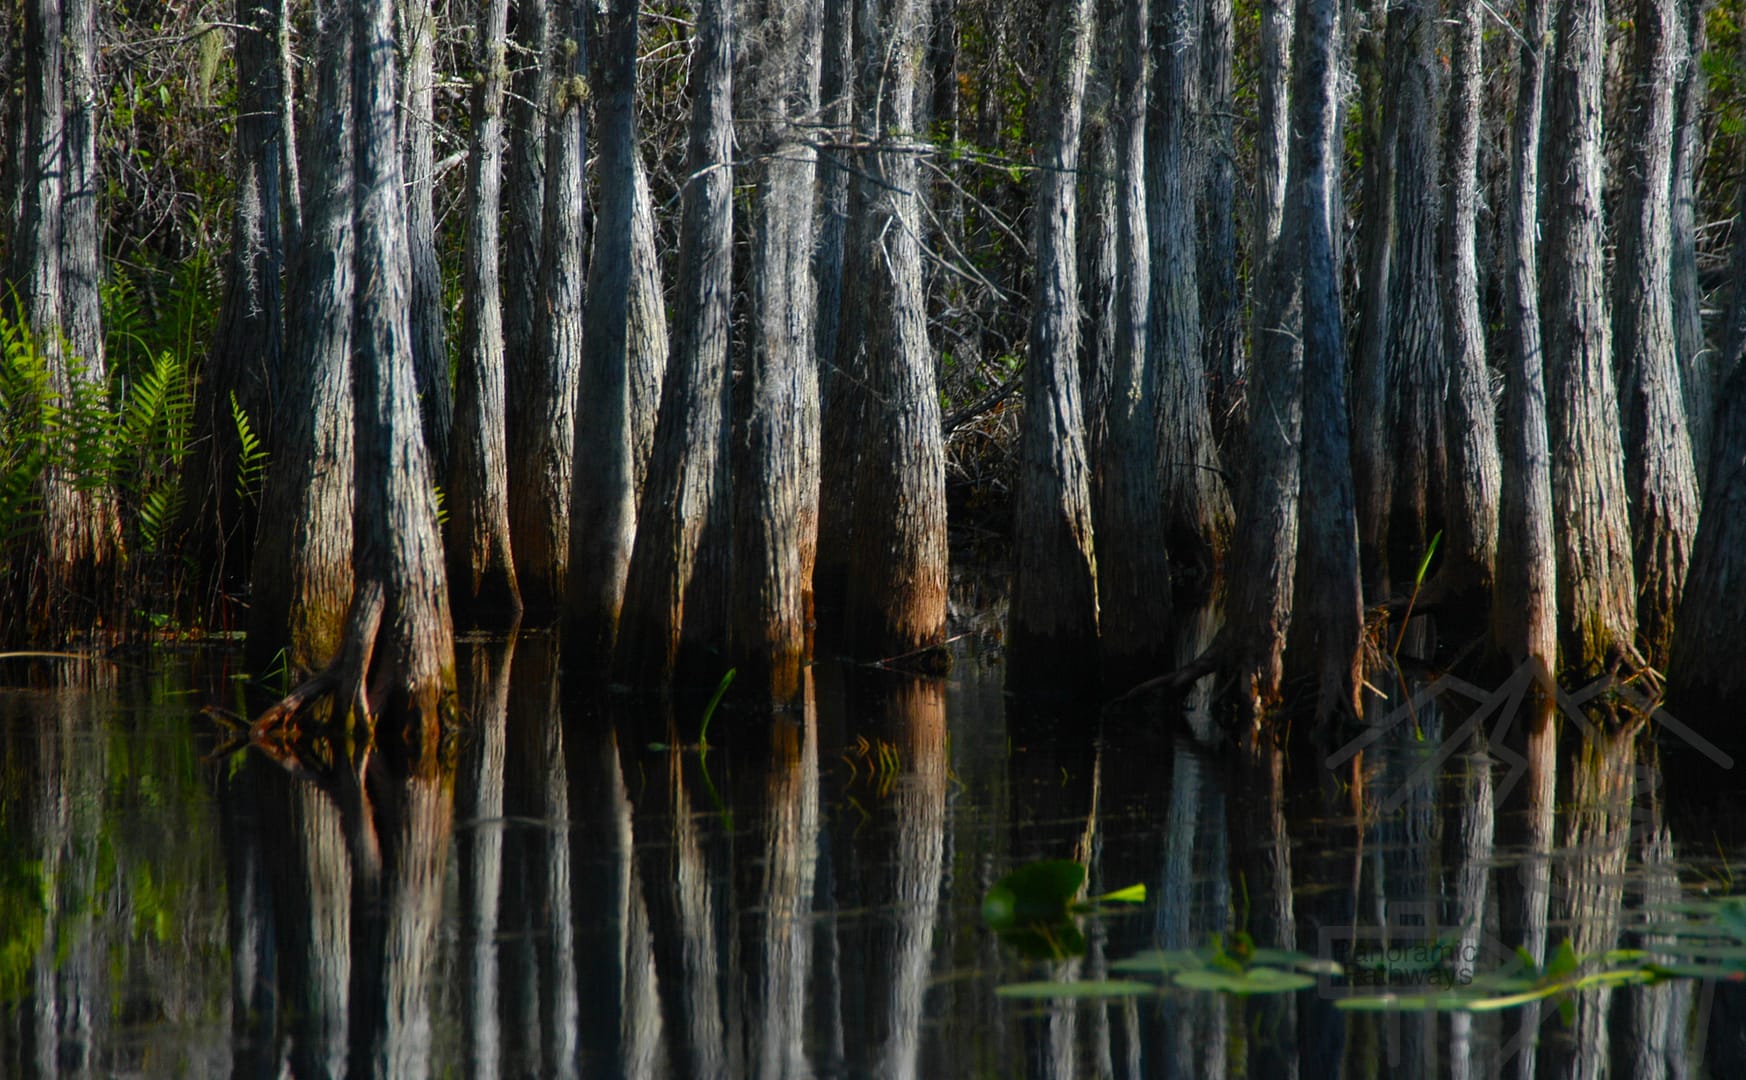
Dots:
{"x": 343, "y": 678}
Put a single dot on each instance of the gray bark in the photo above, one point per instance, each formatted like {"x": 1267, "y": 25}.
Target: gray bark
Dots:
{"x": 603, "y": 500}
{"x": 676, "y": 614}
{"x": 1221, "y": 301}
{"x": 1328, "y": 625}
{"x": 476, "y": 536}
{"x": 1596, "y": 590}
{"x": 837, "y": 112}
{"x": 1416, "y": 364}
{"x": 1052, "y": 640}
{"x": 1133, "y": 574}
{"x": 1697, "y": 362}
{"x": 776, "y": 491}
{"x": 430, "y": 347}
{"x": 646, "y": 343}
{"x": 524, "y": 186}
{"x": 1098, "y": 276}
{"x": 1371, "y": 461}
{"x": 1659, "y": 473}
{"x": 400, "y": 603}
{"x": 302, "y": 572}
{"x": 1197, "y": 505}
{"x": 1470, "y": 509}
{"x": 81, "y": 240}
{"x": 896, "y": 600}
{"x": 542, "y": 429}
{"x": 1525, "y": 624}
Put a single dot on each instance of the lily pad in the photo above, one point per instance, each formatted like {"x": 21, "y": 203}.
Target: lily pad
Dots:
{"x": 1035, "y": 893}
{"x": 1255, "y": 980}
{"x": 1093, "y": 988}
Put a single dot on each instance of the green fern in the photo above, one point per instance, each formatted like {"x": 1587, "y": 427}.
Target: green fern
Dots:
{"x": 251, "y": 457}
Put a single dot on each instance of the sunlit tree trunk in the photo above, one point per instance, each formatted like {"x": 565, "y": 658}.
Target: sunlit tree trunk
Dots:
{"x": 603, "y": 499}
{"x": 1596, "y": 590}
{"x": 776, "y": 492}
{"x": 481, "y": 570}
{"x": 1659, "y": 473}
{"x": 646, "y": 344}
{"x": 1133, "y": 575}
{"x": 430, "y": 350}
{"x": 1697, "y": 362}
{"x": 897, "y": 565}
{"x": 1053, "y": 638}
{"x": 1197, "y": 507}
{"x": 677, "y": 589}
{"x": 542, "y": 432}
{"x": 302, "y": 571}
{"x": 1525, "y": 625}
{"x": 1470, "y": 427}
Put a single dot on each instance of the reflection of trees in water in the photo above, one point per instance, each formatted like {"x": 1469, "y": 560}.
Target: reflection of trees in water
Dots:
{"x": 479, "y": 849}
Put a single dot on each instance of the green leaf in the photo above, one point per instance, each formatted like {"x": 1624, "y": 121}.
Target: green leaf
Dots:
{"x": 1039, "y": 892}
{"x": 1255, "y": 980}
{"x": 1090, "y": 988}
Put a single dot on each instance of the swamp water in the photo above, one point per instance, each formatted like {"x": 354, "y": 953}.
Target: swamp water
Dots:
{"x": 583, "y": 891}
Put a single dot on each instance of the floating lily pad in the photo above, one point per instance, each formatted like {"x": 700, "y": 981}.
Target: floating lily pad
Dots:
{"x": 1160, "y": 962}
{"x": 1036, "y": 893}
{"x": 1091, "y": 988}
{"x": 1255, "y": 980}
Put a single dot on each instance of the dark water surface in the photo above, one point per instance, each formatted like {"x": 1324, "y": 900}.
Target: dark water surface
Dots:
{"x": 580, "y": 893}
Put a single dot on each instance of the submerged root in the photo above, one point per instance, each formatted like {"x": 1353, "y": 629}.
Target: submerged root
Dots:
{"x": 343, "y": 679}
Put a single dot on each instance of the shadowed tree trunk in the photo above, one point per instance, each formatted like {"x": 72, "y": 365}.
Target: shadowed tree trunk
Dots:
{"x": 248, "y": 353}
{"x": 430, "y": 349}
{"x": 776, "y": 490}
{"x": 542, "y": 430}
{"x": 1659, "y": 472}
{"x": 1524, "y": 625}
{"x": 1371, "y": 459}
{"x": 1197, "y": 508}
{"x": 1596, "y": 593}
{"x": 524, "y": 190}
{"x": 1328, "y": 625}
{"x": 603, "y": 499}
{"x": 1221, "y": 301}
{"x": 302, "y": 572}
{"x": 480, "y": 568}
{"x": 1098, "y": 277}
{"x": 1133, "y": 575}
{"x": 1417, "y": 363}
{"x": 1705, "y": 676}
{"x": 1272, "y": 149}
{"x": 54, "y": 283}
{"x": 1053, "y": 638}
{"x": 897, "y": 562}
{"x": 676, "y": 594}
{"x": 1470, "y": 509}
{"x": 837, "y": 111}
{"x": 1697, "y": 362}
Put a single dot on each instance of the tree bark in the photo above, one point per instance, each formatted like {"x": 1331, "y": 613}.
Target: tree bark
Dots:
{"x": 1659, "y": 474}
{"x": 676, "y": 598}
{"x": 524, "y": 190}
{"x": 1596, "y": 589}
{"x": 476, "y": 537}
{"x": 417, "y": 120}
{"x": 1525, "y": 624}
{"x": 81, "y": 239}
{"x": 1221, "y": 301}
{"x": 1416, "y": 361}
{"x": 646, "y": 345}
{"x": 1329, "y": 621}
{"x": 1697, "y": 362}
{"x": 1133, "y": 573}
{"x": 776, "y": 491}
{"x": 1704, "y": 675}
{"x": 1197, "y": 505}
{"x": 543, "y": 402}
{"x": 1371, "y": 461}
{"x": 603, "y": 500}
{"x": 1053, "y": 639}
{"x": 247, "y": 357}
{"x": 897, "y": 564}
{"x": 302, "y": 572}
{"x": 1470, "y": 510}
{"x": 400, "y": 611}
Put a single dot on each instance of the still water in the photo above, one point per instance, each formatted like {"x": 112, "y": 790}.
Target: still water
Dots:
{"x": 574, "y": 889}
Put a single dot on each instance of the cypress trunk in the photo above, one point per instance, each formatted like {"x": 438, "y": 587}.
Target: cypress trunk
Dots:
{"x": 776, "y": 492}
{"x": 1596, "y": 590}
{"x": 1221, "y": 301}
{"x": 418, "y": 31}
{"x": 1371, "y": 461}
{"x": 524, "y": 190}
{"x": 675, "y": 617}
{"x": 1697, "y": 362}
{"x": 542, "y": 434}
{"x": 646, "y": 346}
{"x": 1053, "y": 638}
{"x": 1705, "y": 677}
